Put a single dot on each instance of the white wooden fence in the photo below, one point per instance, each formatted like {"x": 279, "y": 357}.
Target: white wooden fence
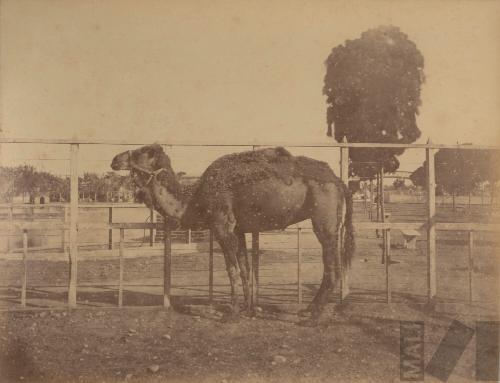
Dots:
{"x": 430, "y": 226}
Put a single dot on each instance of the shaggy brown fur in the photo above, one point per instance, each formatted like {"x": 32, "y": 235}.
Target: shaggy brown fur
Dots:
{"x": 237, "y": 169}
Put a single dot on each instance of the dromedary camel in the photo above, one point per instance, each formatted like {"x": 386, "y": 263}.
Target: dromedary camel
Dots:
{"x": 250, "y": 192}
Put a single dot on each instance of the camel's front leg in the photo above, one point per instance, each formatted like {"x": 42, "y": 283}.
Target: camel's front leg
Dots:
{"x": 229, "y": 245}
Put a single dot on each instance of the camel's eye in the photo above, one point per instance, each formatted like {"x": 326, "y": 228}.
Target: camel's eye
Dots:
{"x": 151, "y": 152}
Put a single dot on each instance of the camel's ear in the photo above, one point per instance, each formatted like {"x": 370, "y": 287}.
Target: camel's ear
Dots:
{"x": 155, "y": 150}
{"x": 162, "y": 160}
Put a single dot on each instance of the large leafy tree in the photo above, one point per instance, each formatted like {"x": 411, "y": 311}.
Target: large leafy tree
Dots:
{"x": 460, "y": 171}
{"x": 373, "y": 86}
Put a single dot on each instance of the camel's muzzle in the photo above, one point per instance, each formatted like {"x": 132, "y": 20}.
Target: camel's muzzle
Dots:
{"x": 121, "y": 161}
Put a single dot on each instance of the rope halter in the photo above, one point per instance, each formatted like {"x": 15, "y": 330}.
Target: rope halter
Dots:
{"x": 152, "y": 174}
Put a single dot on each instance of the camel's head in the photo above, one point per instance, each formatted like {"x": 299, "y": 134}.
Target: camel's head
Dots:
{"x": 147, "y": 158}
{"x": 156, "y": 182}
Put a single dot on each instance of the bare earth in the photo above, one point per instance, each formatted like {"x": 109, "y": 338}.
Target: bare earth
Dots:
{"x": 358, "y": 340}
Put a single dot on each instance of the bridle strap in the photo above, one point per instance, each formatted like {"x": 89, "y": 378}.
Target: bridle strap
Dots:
{"x": 154, "y": 174}
{"x": 151, "y": 174}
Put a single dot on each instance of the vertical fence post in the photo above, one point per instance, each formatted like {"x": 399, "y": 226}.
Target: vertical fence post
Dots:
{"x": 167, "y": 264}
{"x": 344, "y": 176}
{"x": 64, "y": 231}
{"x": 299, "y": 262}
{"x": 371, "y": 200}
{"x": 189, "y": 236}
{"x": 73, "y": 232}
{"x": 431, "y": 229}
{"x": 471, "y": 264}
{"x": 378, "y": 200}
{"x": 152, "y": 230}
{"x": 255, "y": 267}
{"x": 11, "y": 218}
{"x": 365, "y": 195}
{"x": 211, "y": 267}
{"x": 25, "y": 268}
{"x": 110, "y": 232}
{"x": 120, "y": 277}
{"x": 387, "y": 264}
{"x": 382, "y": 213}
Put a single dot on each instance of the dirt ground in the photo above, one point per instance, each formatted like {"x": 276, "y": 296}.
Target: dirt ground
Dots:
{"x": 355, "y": 341}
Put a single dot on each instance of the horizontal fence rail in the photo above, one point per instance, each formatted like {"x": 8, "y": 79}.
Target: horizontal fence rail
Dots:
{"x": 15, "y": 226}
{"x": 332, "y": 144}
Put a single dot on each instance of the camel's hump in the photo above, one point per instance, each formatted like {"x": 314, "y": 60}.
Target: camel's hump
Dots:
{"x": 280, "y": 151}
{"x": 255, "y": 165}
{"x": 232, "y": 170}
{"x": 277, "y": 152}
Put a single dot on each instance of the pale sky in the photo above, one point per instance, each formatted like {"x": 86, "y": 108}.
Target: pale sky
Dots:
{"x": 225, "y": 71}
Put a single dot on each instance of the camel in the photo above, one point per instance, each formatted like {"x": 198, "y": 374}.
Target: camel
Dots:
{"x": 250, "y": 192}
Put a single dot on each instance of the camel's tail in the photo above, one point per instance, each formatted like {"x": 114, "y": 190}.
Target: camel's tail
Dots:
{"x": 348, "y": 242}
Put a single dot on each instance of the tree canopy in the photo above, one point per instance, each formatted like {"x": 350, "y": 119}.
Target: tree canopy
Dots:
{"x": 26, "y": 180}
{"x": 460, "y": 170}
{"x": 373, "y": 86}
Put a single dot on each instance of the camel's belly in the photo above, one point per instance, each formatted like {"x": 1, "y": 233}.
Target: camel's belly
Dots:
{"x": 270, "y": 204}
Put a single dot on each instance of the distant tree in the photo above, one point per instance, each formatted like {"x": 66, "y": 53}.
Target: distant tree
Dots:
{"x": 419, "y": 176}
{"x": 372, "y": 86}
{"x": 29, "y": 181}
{"x": 114, "y": 182}
{"x": 93, "y": 185}
{"x": 489, "y": 168}
{"x": 26, "y": 181}
{"x": 399, "y": 184}
{"x": 59, "y": 189}
{"x": 7, "y": 180}
{"x": 459, "y": 171}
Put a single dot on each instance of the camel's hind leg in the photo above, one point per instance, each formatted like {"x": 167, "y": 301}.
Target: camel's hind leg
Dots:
{"x": 326, "y": 220}
{"x": 242, "y": 255}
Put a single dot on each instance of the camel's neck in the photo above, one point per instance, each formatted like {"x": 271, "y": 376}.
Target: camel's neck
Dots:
{"x": 168, "y": 201}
